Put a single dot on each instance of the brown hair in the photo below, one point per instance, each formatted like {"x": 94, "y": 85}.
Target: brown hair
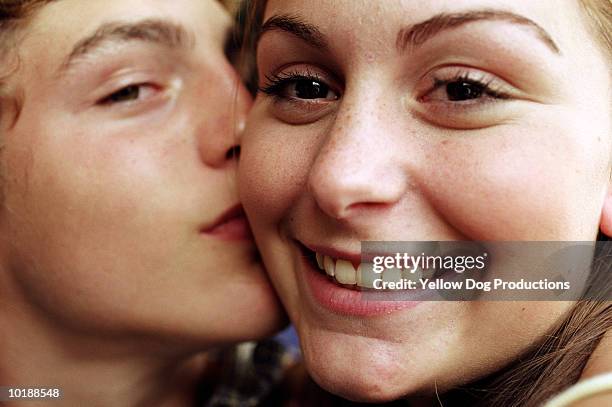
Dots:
{"x": 13, "y": 13}
{"x": 558, "y": 360}
{"x": 16, "y": 9}
{"x": 600, "y": 18}
{"x": 555, "y": 364}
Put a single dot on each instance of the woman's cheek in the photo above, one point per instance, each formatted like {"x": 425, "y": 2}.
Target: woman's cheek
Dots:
{"x": 273, "y": 169}
{"x": 478, "y": 185}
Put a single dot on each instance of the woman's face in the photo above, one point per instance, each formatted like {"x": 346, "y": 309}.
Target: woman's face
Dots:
{"x": 409, "y": 120}
{"x": 120, "y": 209}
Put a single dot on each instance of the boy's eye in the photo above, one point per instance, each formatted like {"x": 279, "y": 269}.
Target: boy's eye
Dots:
{"x": 128, "y": 94}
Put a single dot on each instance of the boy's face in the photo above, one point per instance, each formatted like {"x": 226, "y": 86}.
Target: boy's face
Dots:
{"x": 117, "y": 177}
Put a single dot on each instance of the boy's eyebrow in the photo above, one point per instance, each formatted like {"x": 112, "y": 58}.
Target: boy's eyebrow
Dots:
{"x": 419, "y": 33}
{"x": 413, "y": 35}
{"x": 154, "y": 31}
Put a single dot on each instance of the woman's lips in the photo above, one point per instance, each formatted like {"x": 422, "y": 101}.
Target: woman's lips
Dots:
{"x": 344, "y": 300}
{"x": 231, "y": 225}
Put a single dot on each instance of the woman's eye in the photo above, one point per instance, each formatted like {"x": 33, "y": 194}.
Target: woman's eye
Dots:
{"x": 463, "y": 90}
{"x": 310, "y": 89}
{"x": 464, "y": 99}
{"x": 298, "y": 87}
{"x": 301, "y": 98}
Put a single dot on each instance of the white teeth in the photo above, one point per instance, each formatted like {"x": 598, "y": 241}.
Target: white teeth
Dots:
{"x": 345, "y": 272}
{"x": 328, "y": 264}
{"x": 366, "y": 276}
{"x": 416, "y": 276}
{"x": 320, "y": 261}
{"x": 428, "y": 273}
{"x": 392, "y": 275}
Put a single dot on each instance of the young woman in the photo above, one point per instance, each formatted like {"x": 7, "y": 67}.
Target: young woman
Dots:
{"x": 431, "y": 121}
{"x": 124, "y": 252}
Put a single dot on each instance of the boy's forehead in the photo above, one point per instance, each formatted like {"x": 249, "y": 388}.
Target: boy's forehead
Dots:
{"x": 64, "y": 29}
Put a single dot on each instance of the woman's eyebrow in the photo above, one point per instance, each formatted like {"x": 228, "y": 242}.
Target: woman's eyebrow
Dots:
{"x": 297, "y": 27}
{"x": 420, "y": 33}
{"x": 154, "y": 31}
{"x": 413, "y": 35}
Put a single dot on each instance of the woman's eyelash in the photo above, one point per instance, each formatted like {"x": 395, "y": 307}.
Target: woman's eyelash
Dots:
{"x": 275, "y": 84}
{"x": 460, "y": 88}
{"x": 486, "y": 87}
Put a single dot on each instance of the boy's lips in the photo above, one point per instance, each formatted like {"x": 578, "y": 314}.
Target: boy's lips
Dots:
{"x": 231, "y": 225}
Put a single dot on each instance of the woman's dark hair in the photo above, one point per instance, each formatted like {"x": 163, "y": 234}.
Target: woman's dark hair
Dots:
{"x": 559, "y": 359}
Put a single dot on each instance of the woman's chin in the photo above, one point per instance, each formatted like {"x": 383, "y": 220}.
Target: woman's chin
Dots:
{"x": 362, "y": 369}
{"x": 350, "y": 382}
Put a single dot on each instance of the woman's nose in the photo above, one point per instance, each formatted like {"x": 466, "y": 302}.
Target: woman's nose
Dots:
{"x": 356, "y": 166}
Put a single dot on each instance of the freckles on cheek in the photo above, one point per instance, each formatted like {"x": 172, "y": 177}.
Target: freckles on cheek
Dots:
{"x": 506, "y": 187}
{"x": 267, "y": 188}
{"x": 273, "y": 173}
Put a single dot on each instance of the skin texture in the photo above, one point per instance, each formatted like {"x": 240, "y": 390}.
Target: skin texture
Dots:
{"x": 385, "y": 155}
{"x": 104, "y": 268}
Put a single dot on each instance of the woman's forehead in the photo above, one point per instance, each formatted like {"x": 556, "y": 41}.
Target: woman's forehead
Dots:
{"x": 376, "y": 21}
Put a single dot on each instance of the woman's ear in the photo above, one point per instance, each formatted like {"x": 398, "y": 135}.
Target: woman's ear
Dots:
{"x": 606, "y": 214}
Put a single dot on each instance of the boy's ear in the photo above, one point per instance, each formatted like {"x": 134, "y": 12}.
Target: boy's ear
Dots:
{"x": 606, "y": 214}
